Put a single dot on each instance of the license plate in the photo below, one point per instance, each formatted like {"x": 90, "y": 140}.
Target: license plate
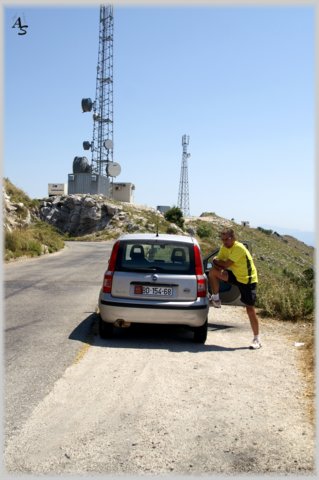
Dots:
{"x": 155, "y": 291}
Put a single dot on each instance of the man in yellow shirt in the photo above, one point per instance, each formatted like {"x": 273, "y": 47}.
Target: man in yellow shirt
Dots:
{"x": 234, "y": 264}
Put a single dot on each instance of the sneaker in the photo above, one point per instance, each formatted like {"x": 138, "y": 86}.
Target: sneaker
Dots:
{"x": 255, "y": 344}
{"x": 215, "y": 303}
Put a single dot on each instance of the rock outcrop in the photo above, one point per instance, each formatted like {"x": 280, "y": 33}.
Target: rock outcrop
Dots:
{"x": 85, "y": 214}
{"x": 16, "y": 214}
{"x": 78, "y": 214}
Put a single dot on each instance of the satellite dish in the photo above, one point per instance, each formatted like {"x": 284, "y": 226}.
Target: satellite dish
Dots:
{"x": 81, "y": 165}
{"x": 108, "y": 144}
{"x": 87, "y": 104}
{"x": 113, "y": 169}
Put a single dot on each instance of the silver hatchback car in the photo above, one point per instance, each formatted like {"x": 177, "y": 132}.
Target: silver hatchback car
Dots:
{"x": 154, "y": 278}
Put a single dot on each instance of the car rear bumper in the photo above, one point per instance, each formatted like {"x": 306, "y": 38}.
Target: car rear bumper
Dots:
{"x": 193, "y": 314}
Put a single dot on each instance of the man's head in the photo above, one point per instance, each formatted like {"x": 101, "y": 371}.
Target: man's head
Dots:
{"x": 227, "y": 236}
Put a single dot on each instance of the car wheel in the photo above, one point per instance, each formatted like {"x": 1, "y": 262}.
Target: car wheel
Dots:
{"x": 200, "y": 333}
{"x": 105, "y": 329}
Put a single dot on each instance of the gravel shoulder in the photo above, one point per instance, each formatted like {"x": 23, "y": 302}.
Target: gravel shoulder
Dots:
{"x": 150, "y": 401}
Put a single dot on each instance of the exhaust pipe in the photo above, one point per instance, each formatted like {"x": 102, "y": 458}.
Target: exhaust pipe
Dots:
{"x": 122, "y": 324}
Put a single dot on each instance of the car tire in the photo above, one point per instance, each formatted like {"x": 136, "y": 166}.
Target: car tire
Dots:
{"x": 105, "y": 329}
{"x": 200, "y": 333}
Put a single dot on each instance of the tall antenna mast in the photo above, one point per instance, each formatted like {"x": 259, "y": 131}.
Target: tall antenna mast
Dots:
{"x": 183, "y": 193}
{"x": 102, "y": 152}
{"x": 102, "y": 144}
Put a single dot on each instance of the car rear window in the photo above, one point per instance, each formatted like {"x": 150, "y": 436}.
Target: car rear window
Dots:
{"x": 159, "y": 256}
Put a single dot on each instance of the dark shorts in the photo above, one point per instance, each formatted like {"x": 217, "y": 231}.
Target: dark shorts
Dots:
{"x": 247, "y": 290}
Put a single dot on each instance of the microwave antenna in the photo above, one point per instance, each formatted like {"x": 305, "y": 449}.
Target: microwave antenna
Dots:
{"x": 183, "y": 193}
{"x": 102, "y": 143}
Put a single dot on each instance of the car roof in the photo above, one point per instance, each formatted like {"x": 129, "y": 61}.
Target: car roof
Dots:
{"x": 153, "y": 236}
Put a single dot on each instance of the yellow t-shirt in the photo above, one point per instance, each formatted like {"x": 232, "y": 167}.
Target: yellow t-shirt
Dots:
{"x": 243, "y": 267}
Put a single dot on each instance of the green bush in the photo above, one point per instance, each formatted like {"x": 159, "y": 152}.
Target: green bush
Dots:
{"x": 265, "y": 231}
{"x": 309, "y": 275}
{"x": 207, "y": 214}
{"x": 175, "y": 215}
{"x": 171, "y": 229}
{"x": 204, "y": 231}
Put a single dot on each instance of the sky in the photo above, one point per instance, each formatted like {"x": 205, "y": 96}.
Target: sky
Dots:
{"x": 239, "y": 80}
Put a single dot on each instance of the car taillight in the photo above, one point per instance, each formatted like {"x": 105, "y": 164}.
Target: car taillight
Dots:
{"x": 107, "y": 282}
{"x": 201, "y": 286}
{"x": 198, "y": 261}
{"x": 199, "y": 271}
{"x": 108, "y": 276}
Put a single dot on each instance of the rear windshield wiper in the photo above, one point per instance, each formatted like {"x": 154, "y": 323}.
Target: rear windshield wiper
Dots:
{"x": 152, "y": 269}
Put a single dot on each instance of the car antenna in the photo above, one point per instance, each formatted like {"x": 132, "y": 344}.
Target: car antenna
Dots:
{"x": 157, "y": 225}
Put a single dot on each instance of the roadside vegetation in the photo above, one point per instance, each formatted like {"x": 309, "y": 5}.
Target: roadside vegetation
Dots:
{"x": 19, "y": 196}
{"x": 31, "y": 237}
{"x": 32, "y": 241}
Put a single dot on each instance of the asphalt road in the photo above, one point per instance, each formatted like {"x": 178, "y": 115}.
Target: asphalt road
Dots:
{"x": 148, "y": 401}
{"x": 49, "y": 308}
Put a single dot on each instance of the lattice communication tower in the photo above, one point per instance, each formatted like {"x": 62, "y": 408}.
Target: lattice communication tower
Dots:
{"x": 183, "y": 193}
{"x": 102, "y": 143}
